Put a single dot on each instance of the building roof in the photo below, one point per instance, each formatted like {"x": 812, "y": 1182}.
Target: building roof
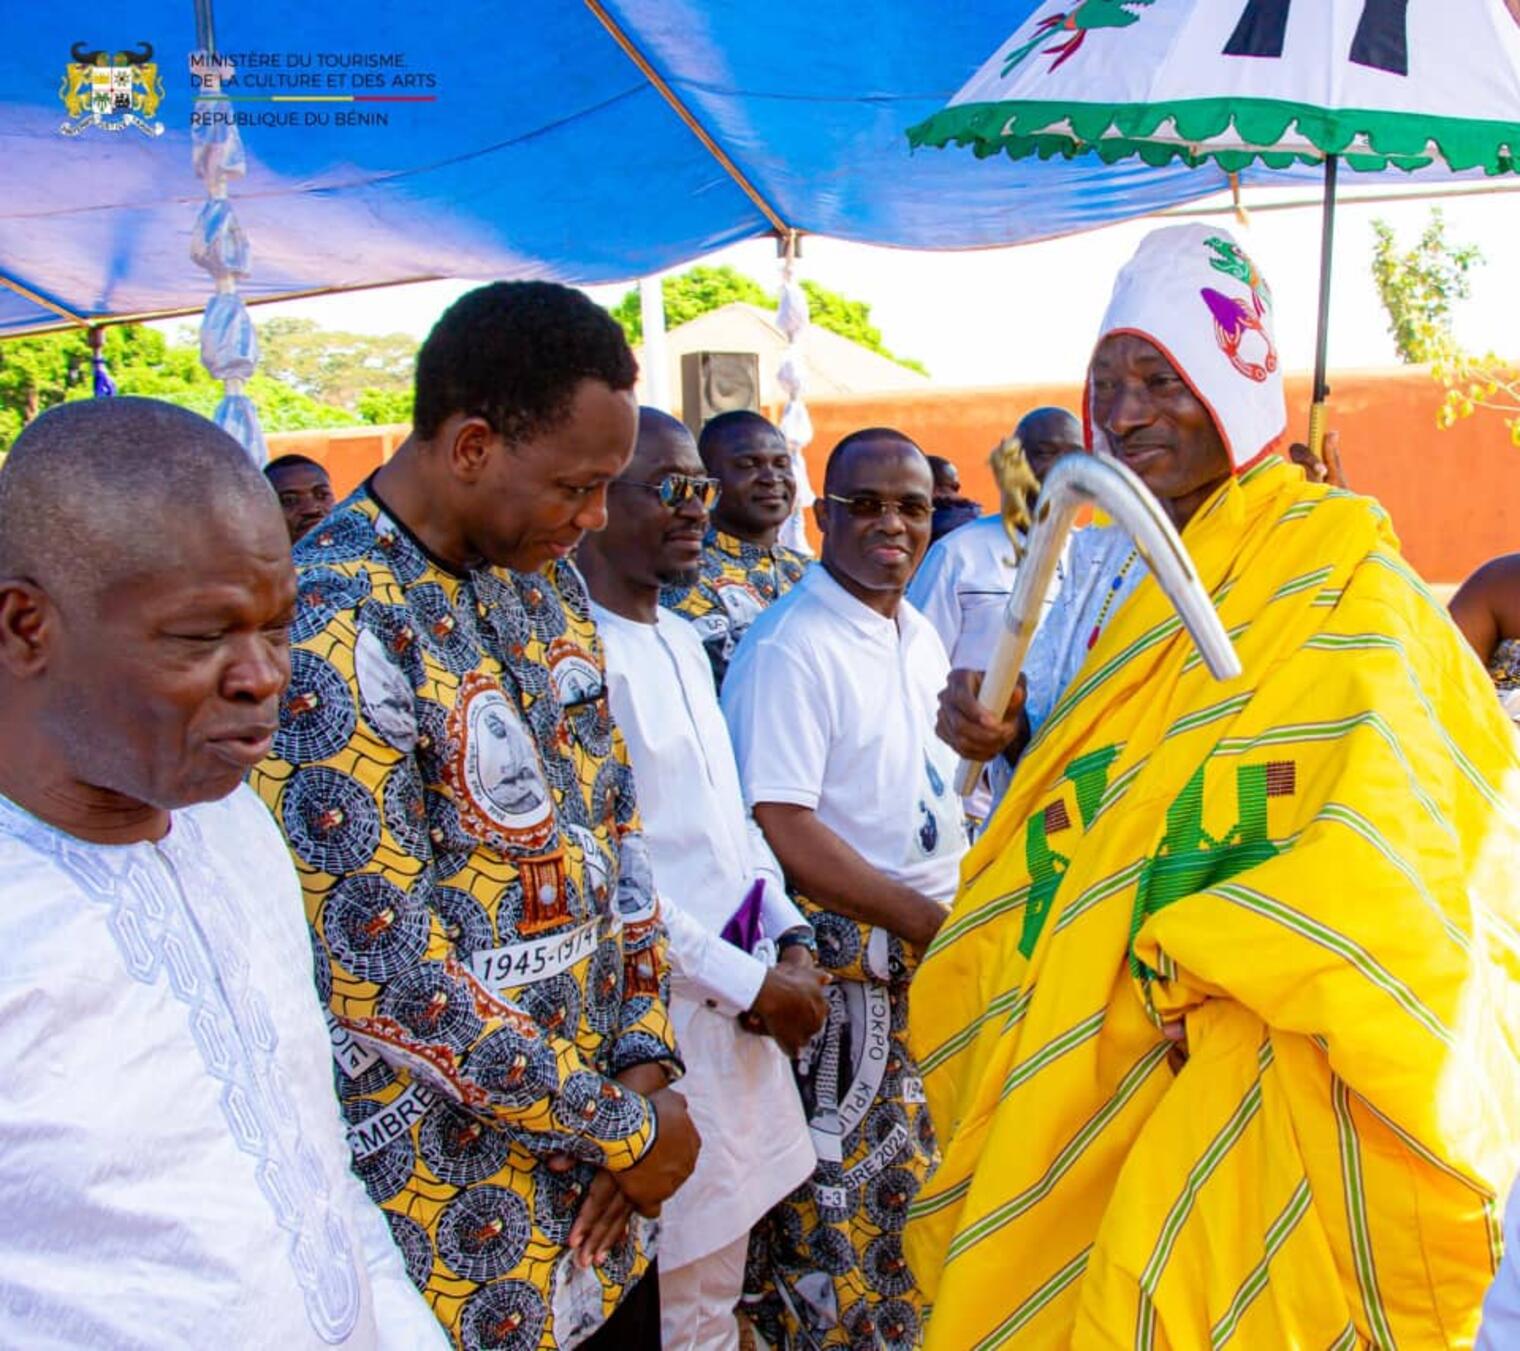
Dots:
{"x": 834, "y": 365}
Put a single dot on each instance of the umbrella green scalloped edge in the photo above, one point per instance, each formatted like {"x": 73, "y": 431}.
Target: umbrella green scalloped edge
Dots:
{"x": 1116, "y": 131}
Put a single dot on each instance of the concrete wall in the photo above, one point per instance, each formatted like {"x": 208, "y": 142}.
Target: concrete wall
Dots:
{"x": 1454, "y": 495}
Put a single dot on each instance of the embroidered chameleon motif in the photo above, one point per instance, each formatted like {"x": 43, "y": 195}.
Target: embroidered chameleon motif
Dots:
{"x": 1187, "y": 859}
{"x": 1231, "y": 259}
{"x": 1233, "y": 318}
{"x": 1088, "y": 775}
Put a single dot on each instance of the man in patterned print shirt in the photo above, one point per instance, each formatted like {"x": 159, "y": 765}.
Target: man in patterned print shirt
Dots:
{"x": 744, "y": 568}
{"x": 461, "y": 812}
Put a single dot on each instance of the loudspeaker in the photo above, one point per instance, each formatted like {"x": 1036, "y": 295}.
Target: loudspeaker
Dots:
{"x": 717, "y": 382}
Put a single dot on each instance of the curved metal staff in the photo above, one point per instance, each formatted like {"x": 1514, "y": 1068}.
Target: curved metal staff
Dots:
{"x": 1099, "y": 480}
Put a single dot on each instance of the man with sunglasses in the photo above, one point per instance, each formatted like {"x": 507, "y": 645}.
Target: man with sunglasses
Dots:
{"x": 716, "y": 878}
{"x": 462, "y": 815}
{"x": 744, "y": 566}
{"x": 831, "y": 701}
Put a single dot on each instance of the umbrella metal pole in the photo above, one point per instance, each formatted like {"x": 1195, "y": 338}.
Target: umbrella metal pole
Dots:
{"x": 1322, "y": 341}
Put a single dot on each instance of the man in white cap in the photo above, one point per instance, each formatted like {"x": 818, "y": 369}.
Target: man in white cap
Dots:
{"x": 1218, "y": 1038}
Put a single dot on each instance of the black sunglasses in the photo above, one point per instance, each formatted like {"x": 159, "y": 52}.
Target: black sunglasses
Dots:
{"x": 862, "y": 507}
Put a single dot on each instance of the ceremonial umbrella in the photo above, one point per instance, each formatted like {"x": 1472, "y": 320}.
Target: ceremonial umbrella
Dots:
{"x": 1373, "y": 83}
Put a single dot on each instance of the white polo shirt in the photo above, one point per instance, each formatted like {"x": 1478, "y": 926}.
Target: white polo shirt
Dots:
{"x": 962, "y": 588}
{"x": 832, "y": 707}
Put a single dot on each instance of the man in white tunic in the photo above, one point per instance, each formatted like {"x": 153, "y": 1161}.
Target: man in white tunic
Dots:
{"x": 962, "y": 586}
{"x": 715, "y": 875}
{"x": 173, "y": 1170}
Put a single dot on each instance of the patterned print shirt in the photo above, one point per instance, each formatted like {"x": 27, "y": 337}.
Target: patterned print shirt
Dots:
{"x": 1504, "y": 669}
{"x": 461, "y": 811}
{"x": 738, "y": 580}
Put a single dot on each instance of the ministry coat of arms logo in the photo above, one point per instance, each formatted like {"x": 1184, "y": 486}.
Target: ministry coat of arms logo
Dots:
{"x": 111, "y": 90}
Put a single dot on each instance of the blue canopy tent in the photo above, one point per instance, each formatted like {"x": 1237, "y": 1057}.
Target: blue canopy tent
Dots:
{"x": 584, "y": 142}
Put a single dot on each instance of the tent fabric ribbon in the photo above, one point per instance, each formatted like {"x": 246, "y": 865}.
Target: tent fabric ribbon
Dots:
{"x": 1313, "y": 868}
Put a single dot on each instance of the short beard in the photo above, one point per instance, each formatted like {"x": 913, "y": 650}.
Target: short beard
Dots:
{"x": 679, "y": 576}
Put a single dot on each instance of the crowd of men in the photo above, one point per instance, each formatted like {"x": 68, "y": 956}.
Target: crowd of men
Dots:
{"x": 604, "y": 855}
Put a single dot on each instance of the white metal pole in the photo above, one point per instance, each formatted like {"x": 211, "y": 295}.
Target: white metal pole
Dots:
{"x": 656, "y": 362}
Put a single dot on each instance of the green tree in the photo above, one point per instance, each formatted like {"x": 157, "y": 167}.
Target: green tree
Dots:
{"x": 38, "y": 373}
{"x": 334, "y": 366}
{"x": 1419, "y": 286}
{"x": 851, "y": 319}
{"x": 693, "y": 293}
{"x": 283, "y": 409}
{"x": 382, "y": 406}
{"x": 700, "y": 289}
{"x": 1474, "y": 384}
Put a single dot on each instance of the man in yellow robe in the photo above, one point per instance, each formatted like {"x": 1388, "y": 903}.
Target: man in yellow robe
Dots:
{"x": 1219, "y": 1039}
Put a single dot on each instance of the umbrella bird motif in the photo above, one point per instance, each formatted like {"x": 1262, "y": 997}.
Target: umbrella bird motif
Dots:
{"x": 1089, "y": 14}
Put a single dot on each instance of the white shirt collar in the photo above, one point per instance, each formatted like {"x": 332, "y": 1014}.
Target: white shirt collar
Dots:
{"x": 855, "y": 611}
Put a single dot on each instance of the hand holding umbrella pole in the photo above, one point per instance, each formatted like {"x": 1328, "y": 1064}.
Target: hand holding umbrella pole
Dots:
{"x": 1098, "y": 480}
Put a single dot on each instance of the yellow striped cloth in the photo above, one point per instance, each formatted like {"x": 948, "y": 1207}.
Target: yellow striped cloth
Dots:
{"x": 1315, "y": 865}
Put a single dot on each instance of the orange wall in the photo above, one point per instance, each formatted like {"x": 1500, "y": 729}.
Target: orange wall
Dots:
{"x": 349, "y": 454}
{"x": 1454, "y": 496}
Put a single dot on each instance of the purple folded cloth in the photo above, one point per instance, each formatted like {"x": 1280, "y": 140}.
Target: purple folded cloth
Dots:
{"x": 744, "y": 928}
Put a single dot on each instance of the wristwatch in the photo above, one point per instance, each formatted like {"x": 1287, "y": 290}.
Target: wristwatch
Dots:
{"x": 802, "y": 936}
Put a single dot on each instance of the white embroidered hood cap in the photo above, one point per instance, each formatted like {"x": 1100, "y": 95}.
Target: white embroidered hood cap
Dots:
{"x": 1194, "y": 294}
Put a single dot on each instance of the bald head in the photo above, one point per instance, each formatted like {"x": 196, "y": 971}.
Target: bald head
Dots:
{"x": 146, "y": 591}
{"x": 871, "y": 443}
{"x": 947, "y": 480}
{"x": 99, "y": 489}
{"x": 1046, "y": 434}
{"x": 875, "y": 515}
{"x": 652, "y": 537}
{"x": 661, "y": 438}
